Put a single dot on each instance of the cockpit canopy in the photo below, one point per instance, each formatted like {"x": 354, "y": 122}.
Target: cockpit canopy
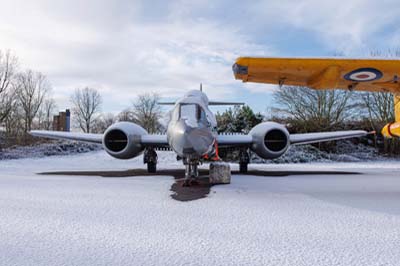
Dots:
{"x": 189, "y": 111}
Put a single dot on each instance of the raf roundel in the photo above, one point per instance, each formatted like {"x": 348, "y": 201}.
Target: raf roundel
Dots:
{"x": 364, "y": 75}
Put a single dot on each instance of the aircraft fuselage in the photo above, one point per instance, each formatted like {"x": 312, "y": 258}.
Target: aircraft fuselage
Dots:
{"x": 191, "y": 131}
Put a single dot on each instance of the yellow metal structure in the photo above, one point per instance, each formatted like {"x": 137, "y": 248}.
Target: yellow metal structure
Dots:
{"x": 393, "y": 129}
{"x": 320, "y": 73}
{"x": 375, "y": 75}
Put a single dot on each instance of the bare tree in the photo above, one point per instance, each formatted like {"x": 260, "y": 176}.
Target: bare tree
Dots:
{"x": 87, "y": 103}
{"x": 147, "y": 113}
{"x": 8, "y": 68}
{"x": 380, "y": 106}
{"x": 32, "y": 89}
{"x": 45, "y": 114}
{"x": 7, "y": 101}
{"x": 315, "y": 110}
{"x": 126, "y": 115}
{"x": 103, "y": 122}
{"x": 14, "y": 124}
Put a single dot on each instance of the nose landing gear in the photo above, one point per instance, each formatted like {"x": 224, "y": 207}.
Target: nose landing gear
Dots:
{"x": 191, "y": 172}
{"x": 220, "y": 173}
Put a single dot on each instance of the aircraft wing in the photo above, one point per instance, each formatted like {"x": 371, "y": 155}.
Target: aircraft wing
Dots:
{"x": 154, "y": 140}
{"x": 86, "y": 137}
{"x": 295, "y": 139}
{"x": 222, "y": 140}
{"x": 307, "y": 138}
{"x": 234, "y": 140}
{"x": 322, "y": 73}
{"x": 146, "y": 140}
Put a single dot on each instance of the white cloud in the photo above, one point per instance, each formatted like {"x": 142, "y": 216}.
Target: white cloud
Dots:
{"x": 260, "y": 88}
{"x": 126, "y": 47}
{"x": 348, "y": 26}
{"x": 103, "y": 46}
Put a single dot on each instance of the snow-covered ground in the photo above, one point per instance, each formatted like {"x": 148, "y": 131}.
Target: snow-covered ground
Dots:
{"x": 344, "y": 151}
{"x": 52, "y": 148}
{"x": 295, "y": 214}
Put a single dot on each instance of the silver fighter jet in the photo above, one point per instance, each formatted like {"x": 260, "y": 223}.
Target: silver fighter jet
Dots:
{"x": 192, "y": 135}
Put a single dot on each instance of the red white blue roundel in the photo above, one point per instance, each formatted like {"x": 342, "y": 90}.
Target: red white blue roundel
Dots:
{"x": 363, "y": 75}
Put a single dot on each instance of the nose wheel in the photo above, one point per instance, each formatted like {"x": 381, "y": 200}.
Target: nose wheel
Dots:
{"x": 191, "y": 172}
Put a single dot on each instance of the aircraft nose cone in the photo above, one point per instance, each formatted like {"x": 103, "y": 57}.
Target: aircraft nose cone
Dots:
{"x": 187, "y": 140}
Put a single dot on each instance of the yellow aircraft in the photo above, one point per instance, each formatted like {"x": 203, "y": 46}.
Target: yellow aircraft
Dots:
{"x": 376, "y": 75}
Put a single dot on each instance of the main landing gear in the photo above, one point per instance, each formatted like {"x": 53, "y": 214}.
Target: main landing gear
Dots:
{"x": 244, "y": 159}
{"x": 150, "y": 157}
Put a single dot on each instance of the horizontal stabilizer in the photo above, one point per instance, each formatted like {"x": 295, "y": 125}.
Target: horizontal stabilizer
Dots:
{"x": 210, "y": 103}
{"x": 224, "y": 103}
{"x": 166, "y": 103}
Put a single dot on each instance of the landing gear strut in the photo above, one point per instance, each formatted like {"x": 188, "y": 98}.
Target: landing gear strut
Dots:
{"x": 150, "y": 157}
{"x": 191, "y": 171}
{"x": 244, "y": 159}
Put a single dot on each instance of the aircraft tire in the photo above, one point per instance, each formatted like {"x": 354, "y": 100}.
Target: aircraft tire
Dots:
{"x": 243, "y": 168}
{"x": 151, "y": 167}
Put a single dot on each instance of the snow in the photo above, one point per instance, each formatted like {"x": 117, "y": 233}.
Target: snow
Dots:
{"x": 48, "y": 149}
{"x": 344, "y": 151}
{"x": 302, "y": 217}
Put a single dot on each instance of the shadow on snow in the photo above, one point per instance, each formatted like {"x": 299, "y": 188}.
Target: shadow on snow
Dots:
{"x": 198, "y": 190}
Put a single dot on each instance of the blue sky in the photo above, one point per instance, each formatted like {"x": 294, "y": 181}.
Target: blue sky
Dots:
{"x": 124, "y": 48}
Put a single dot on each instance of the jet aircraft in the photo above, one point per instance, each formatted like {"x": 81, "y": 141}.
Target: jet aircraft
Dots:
{"x": 373, "y": 74}
{"x": 192, "y": 135}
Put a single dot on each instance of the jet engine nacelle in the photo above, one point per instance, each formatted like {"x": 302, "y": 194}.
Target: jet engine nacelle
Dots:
{"x": 270, "y": 140}
{"x": 122, "y": 140}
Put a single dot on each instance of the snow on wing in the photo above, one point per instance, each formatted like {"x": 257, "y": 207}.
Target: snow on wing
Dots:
{"x": 295, "y": 139}
{"x": 307, "y": 138}
{"x": 86, "y": 137}
{"x": 146, "y": 140}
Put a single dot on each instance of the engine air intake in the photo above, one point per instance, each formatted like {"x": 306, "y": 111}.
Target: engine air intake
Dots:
{"x": 116, "y": 140}
{"x": 275, "y": 140}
